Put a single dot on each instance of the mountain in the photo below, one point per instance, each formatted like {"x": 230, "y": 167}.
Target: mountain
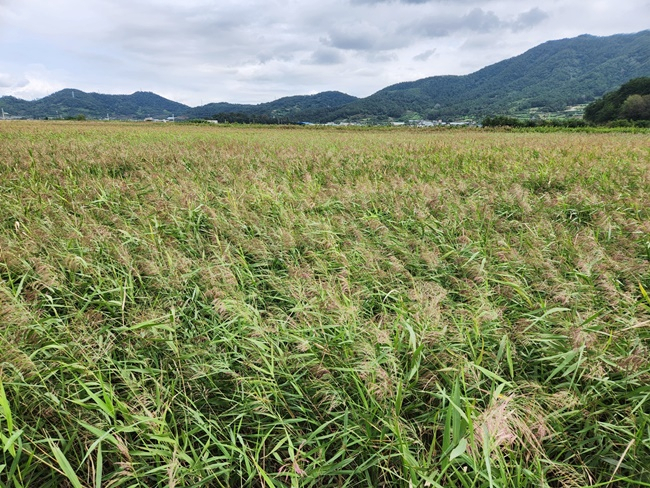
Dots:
{"x": 293, "y": 107}
{"x": 72, "y": 102}
{"x": 550, "y": 76}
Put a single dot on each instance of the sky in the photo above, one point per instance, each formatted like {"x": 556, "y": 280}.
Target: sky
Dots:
{"x": 252, "y": 51}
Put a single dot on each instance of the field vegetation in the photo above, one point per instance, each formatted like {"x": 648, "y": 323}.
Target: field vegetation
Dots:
{"x": 216, "y": 306}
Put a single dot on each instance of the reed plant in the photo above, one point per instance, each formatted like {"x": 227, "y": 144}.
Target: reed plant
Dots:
{"x": 223, "y": 306}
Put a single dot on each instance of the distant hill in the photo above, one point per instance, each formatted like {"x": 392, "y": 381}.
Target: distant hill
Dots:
{"x": 72, "y": 102}
{"x": 629, "y": 102}
{"x": 292, "y": 108}
{"x": 550, "y": 76}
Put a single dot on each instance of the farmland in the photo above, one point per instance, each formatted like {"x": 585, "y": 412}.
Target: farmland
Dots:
{"x": 223, "y": 306}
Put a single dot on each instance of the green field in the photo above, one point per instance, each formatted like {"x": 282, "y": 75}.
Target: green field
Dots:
{"x": 222, "y": 306}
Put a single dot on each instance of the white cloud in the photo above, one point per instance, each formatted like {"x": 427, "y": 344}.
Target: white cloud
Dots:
{"x": 9, "y": 81}
{"x": 36, "y": 82}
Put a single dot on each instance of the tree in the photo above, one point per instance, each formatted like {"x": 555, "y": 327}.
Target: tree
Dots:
{"x": 636, "y": 107}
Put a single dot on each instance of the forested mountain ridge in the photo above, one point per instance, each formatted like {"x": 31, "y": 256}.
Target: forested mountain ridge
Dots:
{"x": 71, "y": 102}
{"x": 551, "y": 76}
{"x": 548, "y": 77}
{"x": 293, "y": 107}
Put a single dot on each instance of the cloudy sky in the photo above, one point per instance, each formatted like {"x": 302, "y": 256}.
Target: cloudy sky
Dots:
{"x": 251, "y": 51}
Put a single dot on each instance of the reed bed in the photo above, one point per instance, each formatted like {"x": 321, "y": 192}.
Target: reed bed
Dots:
{"x": 220, "y": 306}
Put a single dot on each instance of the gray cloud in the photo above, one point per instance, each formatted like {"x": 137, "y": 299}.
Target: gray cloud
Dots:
{"x": 364, "y": 37}
{"x": 424, "y": 56}
{"x": 477, "y": 20}
{"x": 348, "y": 39}
{"x": 269, "y": 56}
{"x": 325, "y": 57}
{"x": 412, "y": 2}
{"x": 529, "y": 19}
{"x": 480, "y": 21}
{"x": 380, "y": 57}
{"x": 373, "y": 2}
